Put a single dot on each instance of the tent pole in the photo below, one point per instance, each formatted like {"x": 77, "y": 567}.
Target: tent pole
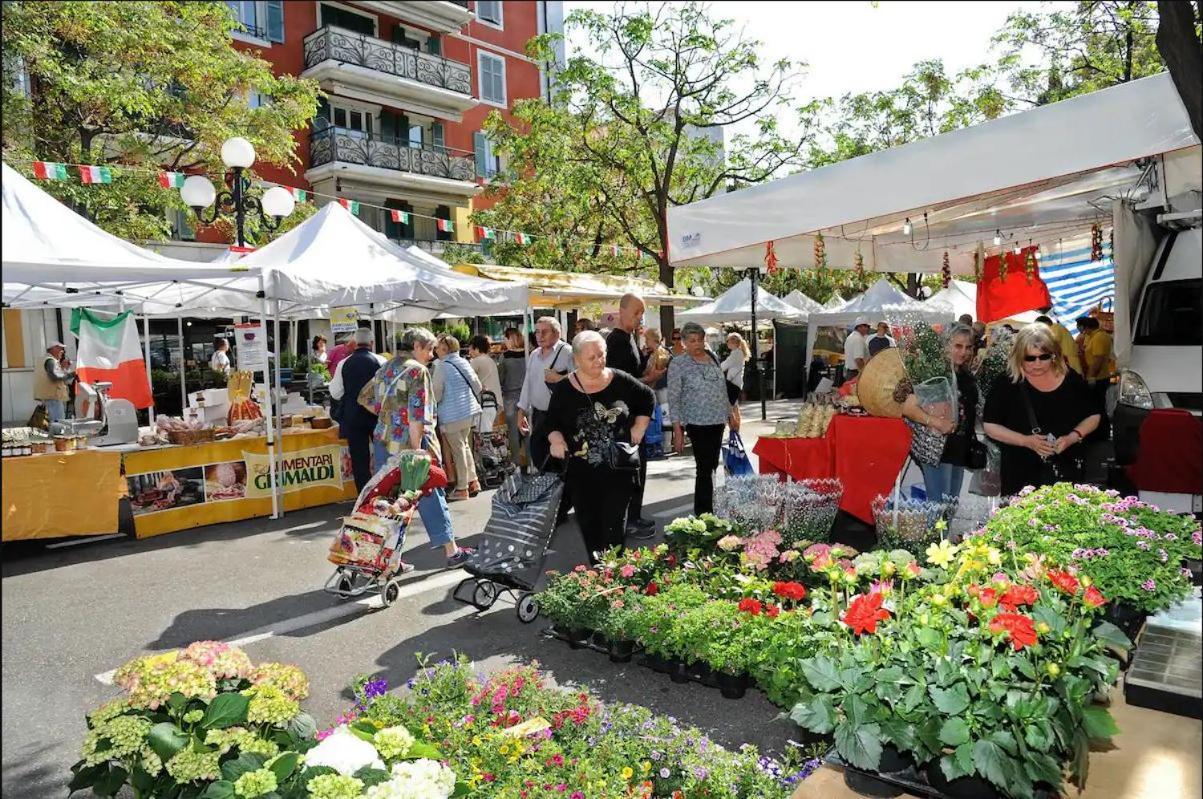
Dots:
{"x": 753, "y": 273}
{"x": 278, "y": 389}
{"x": 269, "y": 420}
{"x": 150, "y": 418}
{"x": 179, "y": 326}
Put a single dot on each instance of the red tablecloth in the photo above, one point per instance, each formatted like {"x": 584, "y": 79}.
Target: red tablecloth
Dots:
{"x": 1171, "y": 453}
{"x": 865, "y": 453}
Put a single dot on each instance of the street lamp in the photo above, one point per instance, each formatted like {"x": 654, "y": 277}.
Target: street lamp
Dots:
{"x": 199, "y": 193}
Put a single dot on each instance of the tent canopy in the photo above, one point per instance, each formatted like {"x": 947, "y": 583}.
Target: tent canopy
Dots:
{"x": 833, "y": 302}
{"x": 803, "y": 303}
{"x": 550, "y": 288}
{"x": 1030, "y": 175}
{"x": 883, "y": 301}
{"x": 735, "y": 305}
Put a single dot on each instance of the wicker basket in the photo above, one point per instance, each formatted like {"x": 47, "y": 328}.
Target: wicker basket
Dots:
{"x": 186, "y": 437}
{"x": 321, "y": 422}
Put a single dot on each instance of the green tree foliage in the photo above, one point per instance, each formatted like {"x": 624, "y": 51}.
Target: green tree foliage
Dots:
{"x": 147, "y": 85}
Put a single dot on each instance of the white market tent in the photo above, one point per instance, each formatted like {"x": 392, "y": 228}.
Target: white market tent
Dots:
{"x": 803, "y": 303}
{"x": 1046, "y": 174}
{"x": 962, "y": 296}
{"x": 735, "y": 305}
{"x": 833, "y": 302}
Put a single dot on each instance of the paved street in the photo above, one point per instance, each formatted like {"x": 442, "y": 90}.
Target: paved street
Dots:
{"x": 73, "y": 614}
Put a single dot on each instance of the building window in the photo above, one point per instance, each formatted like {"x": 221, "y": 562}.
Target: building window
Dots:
{"x": 263, "y": 20}
{"x": 488, "y": 163}
{"x": 491, "y": 69}
{"x": 181, "y": 225}
{"x": 344, "y": 17}
{"x": 489, "y": 12}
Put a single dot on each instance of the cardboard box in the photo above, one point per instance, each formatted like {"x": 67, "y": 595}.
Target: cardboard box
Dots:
{"x": 208, "y": 415}
{"x": 209, "y": 396}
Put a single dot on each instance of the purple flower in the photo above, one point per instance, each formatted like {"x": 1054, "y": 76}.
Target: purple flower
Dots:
{"x": 1170, "y": 537}
{"x": 1164, "y": 555}
{"x": 1185, "y": 572}
{"x": 1142, "y": 544}
{"x": 655, "y": 755}
{"x": 665, "y": 773}
{"x": 701, "y": 773}
{"x": 1149, "y": 585}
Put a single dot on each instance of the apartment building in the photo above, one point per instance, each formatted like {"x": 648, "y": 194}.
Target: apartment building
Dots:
{"x": 409, "y": 85}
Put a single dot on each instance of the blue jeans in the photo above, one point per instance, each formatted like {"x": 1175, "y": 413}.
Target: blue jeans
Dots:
{"x": 943, "y": 480}
{"x": 436, "y": 516}
{"x": 56, "y": 410}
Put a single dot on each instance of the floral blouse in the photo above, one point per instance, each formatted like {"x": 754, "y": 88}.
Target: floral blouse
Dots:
{"x": 403, "y": 395}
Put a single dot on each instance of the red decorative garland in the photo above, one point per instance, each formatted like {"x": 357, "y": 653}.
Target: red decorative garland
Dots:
{"x": 770, "y": 258}
{"x": 946, "y": 271}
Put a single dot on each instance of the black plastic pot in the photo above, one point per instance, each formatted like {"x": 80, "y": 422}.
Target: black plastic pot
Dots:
{"x": 656, "y": 663}
{"x": 679, "y": 672}
{"x": 1126, "y": 617}
{"x": 866, "y": 784}
{"x": 960, "y": 788}
{"x": 700, "y": 671}
{"x": 578, "y": 637}
{"x": 732, "y": 686}
{"x": 894, "y": 761}
{"x": 621, "y": 651}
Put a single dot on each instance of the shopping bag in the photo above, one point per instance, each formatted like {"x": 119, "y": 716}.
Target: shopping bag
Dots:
{"x": 735, "y": 457}
{"x": 655, "y": 430}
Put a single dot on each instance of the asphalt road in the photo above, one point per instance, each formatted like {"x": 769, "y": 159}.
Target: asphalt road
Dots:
{"x": 73, "y": 614}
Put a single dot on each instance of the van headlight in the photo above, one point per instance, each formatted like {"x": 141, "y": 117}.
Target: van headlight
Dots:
{"x": 1133, "y": 391}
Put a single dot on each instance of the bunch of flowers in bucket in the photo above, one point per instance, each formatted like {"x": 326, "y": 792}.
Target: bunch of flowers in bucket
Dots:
{"x": 982, "y": 670}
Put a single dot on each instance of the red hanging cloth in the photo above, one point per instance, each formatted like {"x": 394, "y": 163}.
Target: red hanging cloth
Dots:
{"x": 1006, "y": 289}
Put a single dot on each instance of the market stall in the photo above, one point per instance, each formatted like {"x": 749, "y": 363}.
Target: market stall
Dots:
{"x": 86, "y": 487}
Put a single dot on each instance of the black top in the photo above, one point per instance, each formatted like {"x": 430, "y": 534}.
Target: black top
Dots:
{"x": 358, "y": 368}
{"x": 622, "y": 352}
{"x": 1057, "y": 412}
{"x": 591, "y": 423}
{"x": 956, "y": 446}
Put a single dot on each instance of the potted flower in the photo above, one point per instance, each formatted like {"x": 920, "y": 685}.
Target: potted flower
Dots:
{"x": 619, "y": 624}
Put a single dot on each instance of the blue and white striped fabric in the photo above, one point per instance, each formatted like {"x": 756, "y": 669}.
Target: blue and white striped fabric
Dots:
{"x": 1075, "y": 282}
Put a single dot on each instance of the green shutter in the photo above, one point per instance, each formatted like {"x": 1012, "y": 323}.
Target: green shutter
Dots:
{"x": 275, "y": 20}
{"x": 398, "y": 34}
{"x": 388, "y": 125}
{"x": 403, "y": 130}
{"x": 437, "y": 139}
{"x": 480, "y": 147}
{"x": 434, "y": 45}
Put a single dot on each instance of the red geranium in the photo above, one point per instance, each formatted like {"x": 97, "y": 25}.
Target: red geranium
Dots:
{"x": 1018, "y": 595}
{"x": 1094, "y": 597}
{"x": 790, "y": 590}
{"x": 772, "y": 611}
{"x": 987, "y": 596}
{"x": 652, "y": 589}
{"x": 1019, "y": 629}
{"x": 749, "y": 605}
{"x": 864, "y": 612}
{"x": 1064, "y": 581}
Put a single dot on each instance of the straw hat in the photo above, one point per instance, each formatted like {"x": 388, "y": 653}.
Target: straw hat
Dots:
{"x": 878, "y": 379}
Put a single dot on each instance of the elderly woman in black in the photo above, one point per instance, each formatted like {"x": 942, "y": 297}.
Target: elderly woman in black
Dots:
{"x": 592, "y": 415}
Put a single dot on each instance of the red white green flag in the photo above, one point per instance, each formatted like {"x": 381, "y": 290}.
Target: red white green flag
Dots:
{"x": 520, "y": 238}
{"x": 615, "y": 250}
{"x": 49, "y": 170}
{"x": 108, "y": 351}
{"x": 485, "y": 233}
{"x": 446, "y": 226}
{"x": 350, "y": 205}
{"x": 300, "y": 195}
{"x": 172, "y": 180}
{"x": 95, "y": 174}
{"x": 401, "y": 217}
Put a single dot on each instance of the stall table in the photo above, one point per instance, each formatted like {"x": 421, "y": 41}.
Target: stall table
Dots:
{"x": 61, "y": 494}
{"x": 864, "y": 453}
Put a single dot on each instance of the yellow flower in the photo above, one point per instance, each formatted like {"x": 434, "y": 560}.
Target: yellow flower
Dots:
{"x": 939, "y": 600}
{"x": 627, "y": 773}
{"x": 504, "y": 749}
{"x": 941, "y": 554}
{"x": 646, "y": 766}
{"x": 993, "y": 556}
{"x": 1042, "y": 628}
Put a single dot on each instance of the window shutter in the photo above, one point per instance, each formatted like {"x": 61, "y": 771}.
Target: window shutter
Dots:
{"x": 398, "y": 34}
{"x": 437, "y": 137}
{"x": 402, "y": 130}
{"x": 480, "y": 145}
{"x": 442, "y": 212}
{"x": 434, "y": 45}
{"x": 388, "y": 125}
{"x": 322, "y": 120}
{"x": 275, "y": 20}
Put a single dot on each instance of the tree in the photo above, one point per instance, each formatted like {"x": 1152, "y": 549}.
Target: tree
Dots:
{"x": 628, "y": 135}
{"x": 144, "y": 85}
{"x": 1179, "y": 44}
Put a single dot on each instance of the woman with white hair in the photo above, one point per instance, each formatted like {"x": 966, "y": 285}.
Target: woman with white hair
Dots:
{"x": 595, "y": 421}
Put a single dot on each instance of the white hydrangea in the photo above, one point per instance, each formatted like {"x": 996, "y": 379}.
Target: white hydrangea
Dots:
{"x": 416, "y": 779}
{"x": 344, "y": 752}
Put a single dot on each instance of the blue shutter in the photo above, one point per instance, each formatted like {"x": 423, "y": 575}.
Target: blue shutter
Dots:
{"x": 480, "y": 144}
{"x": 275, "y": 20}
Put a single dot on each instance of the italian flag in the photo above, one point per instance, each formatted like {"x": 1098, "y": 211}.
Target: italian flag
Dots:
{"x": 350, "y": 205}
{"x": 95, "y": 174}
{"x": 485, "y": 233}
{"x": 300, "y": 195}
{"x": 520, "y": 238}
{"x": 108, "y": 351}
{"x": 172, "y": 180}
{"x": 446, "y": 226}
{"x": 49, "y": 170}
{"x": 401, "y": 217}
{"x": 615, "y": 250}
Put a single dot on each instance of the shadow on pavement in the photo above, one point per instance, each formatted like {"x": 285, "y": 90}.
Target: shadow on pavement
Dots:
{"x": 32, "y": 770}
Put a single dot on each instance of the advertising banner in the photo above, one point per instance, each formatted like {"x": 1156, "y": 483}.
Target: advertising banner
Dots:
{"x": 344, "y": 319}
{"x": 295, "y": 471}
{"x": 251, "y": 342}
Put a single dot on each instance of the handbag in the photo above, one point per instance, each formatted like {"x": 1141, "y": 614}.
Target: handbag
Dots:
{"x": 620, "y": 455}
{"x": 735, "y": 458}
{"x": 1055, "y": 468}
{"x": 733, "y": 390}
{"x": 975, "y": 454}
{"x": 40, "y": 418}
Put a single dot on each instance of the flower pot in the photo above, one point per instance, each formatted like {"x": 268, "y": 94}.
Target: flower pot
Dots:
{"x": 894, "y": 761}
{"x": 578, "y": 637}
{"x": 865, "y": 784}
{"x": 701, "y": 671}
{"x": 599, "y": 640}
{"x": 621, "y": 651}
{"x": 656, "y": 663}
{"x": 732, "y": 686}
{"x": 1126, "y": 617}
{"x": 679, "y": 672}
{"x": 961, "y": 788}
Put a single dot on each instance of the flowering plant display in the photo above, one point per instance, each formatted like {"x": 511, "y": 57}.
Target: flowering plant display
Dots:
{"x": 1133, "y": 552}
{"x": 696, "y": 533}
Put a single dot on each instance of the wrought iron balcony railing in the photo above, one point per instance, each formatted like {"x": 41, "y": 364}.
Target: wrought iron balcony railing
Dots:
{"x": 339, "y": 44}
{"x": 331, "y": 144}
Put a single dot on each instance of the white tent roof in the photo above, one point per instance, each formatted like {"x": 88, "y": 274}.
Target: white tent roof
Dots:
{"x": 735, "y": 305}
{"x": 883, "y": 301}
{"x": 962, "y": 300}
{"x": 803, "y": 303}
{"x": 1033, "y": 175}
{"x": 833, "y": 302}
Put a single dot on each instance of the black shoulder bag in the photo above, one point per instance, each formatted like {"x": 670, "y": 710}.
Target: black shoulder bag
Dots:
{"x": 732, "y": 389}
{"x": 1054, "y": 469}
{"x": 555, "y": 359}
{"x": 620, "y": 456}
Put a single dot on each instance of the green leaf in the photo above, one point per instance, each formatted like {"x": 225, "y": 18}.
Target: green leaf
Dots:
{"x": 177, "y": 702}
{"x": 302, "y": 726}
{"x": 222, "y": 789}
{"x": 283, "y": 764}
{"x": 85, "y": 776}
{"x": 226, "y": 710}
{"x": 141, "y": 779}
{"x": 950, "y": 701}
{"x": 816, "y": 714}
{"x": 420, "y": 750}
{"x": 372, "y": 776}
{"x": 1005, "y": 740}
{"x": 928, "y": 638}
{"x": 954, "y": 731}
{"x": 110, "y": 782}
{"x": 1043, "y": 767}
{"x": 1113, "y": 638}
{"x": 461, "y": 790}
{"x": 991, "y": 762}
{"x": 166, "y": 739}
{"x": 914, "y": 697}
{"x": 955, "y": 766}
{"x": 1037, "y": 736}
{"x": 859, "y": 745}
{"x": 233, "y": 769}
{"x": 821, "y": 673}
{"x": 857, "y": 710}
{"x": 1098, "y": 723}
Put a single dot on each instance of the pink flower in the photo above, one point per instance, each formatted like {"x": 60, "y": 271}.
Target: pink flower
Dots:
{"x": 627, "y": 571}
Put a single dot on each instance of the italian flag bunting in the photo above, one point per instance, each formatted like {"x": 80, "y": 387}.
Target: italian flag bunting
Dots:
{"x": 300, "y": 195}
{"x": 108, "y": 351}
{"x": 95, "y": 174}
{"x": 446, "y": 226}
{"x": 401, "y": 217}
{"x": 615, "y": 250}
{"x": 49, "y": 170}
{"x": 172, "y": 180}
{"x": 520, "y": 238}
{"x": 485, "y": 233}
{"x": 350, "y": 205}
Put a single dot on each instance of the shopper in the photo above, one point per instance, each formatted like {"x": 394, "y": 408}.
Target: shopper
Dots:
{"x": 591, "y": 413}
{"x": 479, "y": 355}
{"x": 584, "y": 324}
{"x": 737, "y": 359}
{"x": 623, "y": 352}
{"x": 856, "y": 350}
{"x": 343, "y": 348}
{"x": 1065, "y": 340}
{"x": 512, "y": 374}
{"x": 1098, "y": 367}
{"x": 656, "y": 356}
{"x": 944, "y": 479}
{"x": 1039, "y": 413}
{"x": 881, "y": 340}
{"x": 964, "y": 319}
{"x": 457, "y": 392}
{"x": 51, "y": 383}
{"x": 698, "y": 406}
{"x": 355, "y": 422}
{"x": 220, "y": 360}
{"x": 406, "y": 415}
{"x": 678, "y": 348}
{"x": 548, "y": 365}
{"x": 317, "y": 352}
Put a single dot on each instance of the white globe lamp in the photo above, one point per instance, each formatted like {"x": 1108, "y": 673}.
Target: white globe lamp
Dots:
{"x": 198, "y": 191}
{"x": 278, "y": 202}
{"x": 238, "y": 153}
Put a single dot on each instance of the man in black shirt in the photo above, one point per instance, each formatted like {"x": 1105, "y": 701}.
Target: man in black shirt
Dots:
{"x": 623, "y": 352}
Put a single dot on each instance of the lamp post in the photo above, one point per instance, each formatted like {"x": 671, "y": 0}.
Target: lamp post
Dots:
{"x": 199, "y": 193}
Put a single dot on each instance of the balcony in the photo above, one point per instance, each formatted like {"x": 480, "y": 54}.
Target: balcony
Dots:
{"x": 354, "y": 65}
{"x": 366, "y": 162}
{"x": 439, "y": 16}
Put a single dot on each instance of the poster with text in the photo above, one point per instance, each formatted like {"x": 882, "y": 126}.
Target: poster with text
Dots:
{"x": 344, "y": 319}
{"x": 306, "y": 468}
{"x": 250, "y": 339}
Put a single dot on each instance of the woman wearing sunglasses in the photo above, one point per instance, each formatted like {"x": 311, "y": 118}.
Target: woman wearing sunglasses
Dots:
{"x": 1039, "y": 413}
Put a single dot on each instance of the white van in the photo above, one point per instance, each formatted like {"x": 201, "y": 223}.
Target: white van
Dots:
{"x": 1166, "y": 366}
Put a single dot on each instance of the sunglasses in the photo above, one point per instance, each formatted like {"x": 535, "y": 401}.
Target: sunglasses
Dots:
{"x": 1044, "y": 356}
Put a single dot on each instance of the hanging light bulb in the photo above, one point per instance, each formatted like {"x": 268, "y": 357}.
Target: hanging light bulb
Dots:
{"x": 1039, "y": 254}
{"x": 906, "y": 227}
{"x": 1018, "y": 248}
{"x": 997, "y": 237}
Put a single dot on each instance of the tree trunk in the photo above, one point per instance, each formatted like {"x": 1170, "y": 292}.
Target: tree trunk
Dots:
{"x": 667, "y": 312}
{"x": 1182, "y": 52}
